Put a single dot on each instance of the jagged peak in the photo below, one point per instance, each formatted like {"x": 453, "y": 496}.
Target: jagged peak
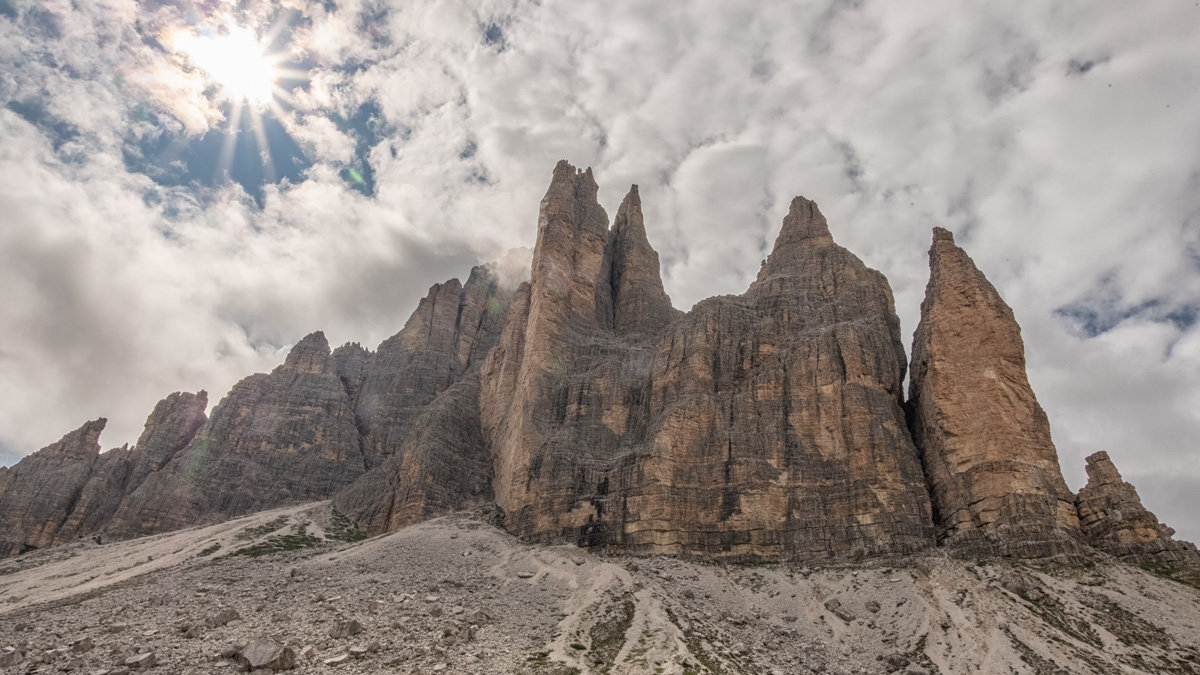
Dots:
{"x": 1101, "y": 470}
{"x": 84, "y": 440}
{"x": 804, "y": 228}
{"x": 311, "y": 350}
{"x": 639, "y": 301}
{"x": 942, "y": 234}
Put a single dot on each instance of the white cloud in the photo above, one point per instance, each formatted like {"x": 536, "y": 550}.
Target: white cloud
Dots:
{"x": 1057, "y": 141}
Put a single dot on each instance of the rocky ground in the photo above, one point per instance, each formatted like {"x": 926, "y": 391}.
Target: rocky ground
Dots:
{"x": 457, "y": 595}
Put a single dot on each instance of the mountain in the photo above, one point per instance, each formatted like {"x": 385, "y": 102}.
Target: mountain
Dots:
{"x": 767, "y": 426}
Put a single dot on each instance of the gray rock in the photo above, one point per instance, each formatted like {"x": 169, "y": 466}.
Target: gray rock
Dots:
{"x": 267, "y": 654}
{"x": 141, "y": 661}
{"x": 345, "y": 628}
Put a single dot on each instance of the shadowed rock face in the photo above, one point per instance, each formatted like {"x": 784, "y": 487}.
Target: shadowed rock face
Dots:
{"x": 448, "y": 335}
{"x": 418, "y": 409}
{"x": 765, "y": 426}
{"x": 1114, "y": 520}
{"x": 286, "y": 437}
{"x": 992, "y": 469}
{"x": 38, "y": 494}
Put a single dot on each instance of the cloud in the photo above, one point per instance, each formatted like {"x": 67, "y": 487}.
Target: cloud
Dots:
{"x": 1056, "y": 141}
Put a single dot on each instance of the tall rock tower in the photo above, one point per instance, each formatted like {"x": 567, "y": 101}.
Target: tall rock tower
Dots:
{"x": 992, "y": 469}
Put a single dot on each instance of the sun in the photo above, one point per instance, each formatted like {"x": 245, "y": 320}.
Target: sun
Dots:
{"x": 235, "y": 60}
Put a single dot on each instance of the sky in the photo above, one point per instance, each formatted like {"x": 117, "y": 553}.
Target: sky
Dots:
{"x": 171, "y": 220}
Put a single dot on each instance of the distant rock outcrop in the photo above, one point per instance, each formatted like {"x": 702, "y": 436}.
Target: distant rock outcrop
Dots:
{"x": 992, "y": 469}
{"x": 1114, "y": 520}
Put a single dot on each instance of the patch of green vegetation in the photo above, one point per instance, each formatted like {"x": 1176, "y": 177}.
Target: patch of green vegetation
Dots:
{"x": 209, "y": 550}
{"x": 1053, "y": 612}
{"x": 608, "y": 635}
{"x": 1129, "y": 628}
{"x": 708, "y": 665}
{"x": 1031, "y": 658}
{"x": 341, "y": 529}
{"x": 298, "y": 539}
{"x": 1178, "y": 574}
{"x": 539, "y": 662}
{"x": 260, "y": 530}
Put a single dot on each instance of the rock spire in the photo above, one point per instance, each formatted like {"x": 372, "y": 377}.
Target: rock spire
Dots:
{"x": 991, "y": 466}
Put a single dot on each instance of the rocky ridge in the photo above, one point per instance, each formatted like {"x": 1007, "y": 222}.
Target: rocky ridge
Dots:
{"x": 766, "y": 426}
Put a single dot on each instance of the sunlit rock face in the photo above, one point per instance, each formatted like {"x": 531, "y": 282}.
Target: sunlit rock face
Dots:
{"x": 759, "y": 427}
{"x": 1114, "y": 520}
{"x": 992, "y": 469}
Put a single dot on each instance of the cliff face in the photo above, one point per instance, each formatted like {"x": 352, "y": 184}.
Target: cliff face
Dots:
{"x": 418, "y": 409}
{"x": 38, "y": 494}
{"x": 992, "y": 469}
{"x": 284, "y": 437}
{"x": 765, "y": 426}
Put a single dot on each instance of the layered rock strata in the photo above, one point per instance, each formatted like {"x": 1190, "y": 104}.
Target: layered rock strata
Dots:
{"x": 764, "y": 426}
{"x": 284, "y": 437}
{"x": 985, "y": 442}
{"x": 1114, "y": 520}
{"x": 761, "y": 427}
{"x": 38, "y": 494}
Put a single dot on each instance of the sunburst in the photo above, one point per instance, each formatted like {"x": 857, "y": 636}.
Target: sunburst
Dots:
{"x": 244, "y": 73}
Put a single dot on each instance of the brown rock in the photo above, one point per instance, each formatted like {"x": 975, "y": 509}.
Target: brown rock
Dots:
{"x": 419, "y": 409}
{"x": 639, "y": 302}
{"x": 992, "y": 469}
{"x": 765, "y": 426}
{"x": 1114, "y": 520}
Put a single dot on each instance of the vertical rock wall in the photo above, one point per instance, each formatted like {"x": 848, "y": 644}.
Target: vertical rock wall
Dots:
{"x": 992, "y": 469}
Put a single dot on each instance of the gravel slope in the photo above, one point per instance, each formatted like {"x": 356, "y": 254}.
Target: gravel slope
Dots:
{"x": 458, "y": 595}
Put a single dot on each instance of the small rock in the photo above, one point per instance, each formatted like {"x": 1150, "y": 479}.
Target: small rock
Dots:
{"x": 222, "y": 617}
{"x": 194, "y": 632}
{"x": 358, "y": 651}
{"x": 873, "y": 606}
{"x": 345, "y": 629}
{"x": 268, "y": 655}
{"x": 524, "y": 575}
{"x": 82, "y": 646}
{"x": 118, "y": 627}
{"x": 895, "y": 661}
{"x": 142, "y": 661}
{"x": 834, "y": 605}
{"x": 308, "y": 653}
{"x": 337, "y": 660}
{"x": 11, "y": 657}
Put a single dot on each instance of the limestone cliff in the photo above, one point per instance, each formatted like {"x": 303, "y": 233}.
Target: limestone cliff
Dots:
{"x": 418, "y": 408}
{"x": 38, "y": 494}
{"x": 285, "y": 437}
{"x": 764, "y": 426}
{"x": 1114, "y": 520}
{"x": 769, "y": 425}
{"x": 992, "y": 469}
